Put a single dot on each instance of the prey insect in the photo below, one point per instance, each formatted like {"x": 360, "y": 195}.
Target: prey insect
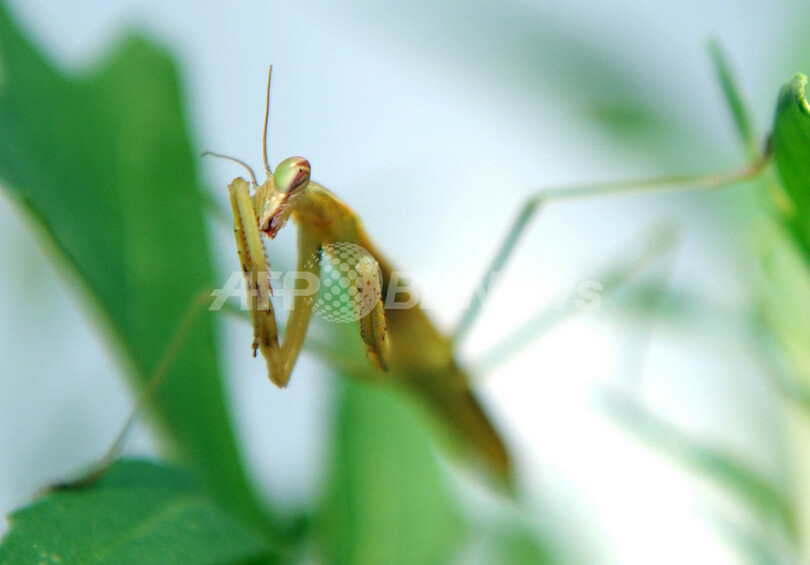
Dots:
{"x": 403, "y": 344}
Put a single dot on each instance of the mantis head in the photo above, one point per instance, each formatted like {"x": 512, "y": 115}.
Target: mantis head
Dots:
{"x": 276, "y": 198}
{"x": 289, "y": 181}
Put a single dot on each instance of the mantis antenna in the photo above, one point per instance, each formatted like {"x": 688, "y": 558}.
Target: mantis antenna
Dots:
{"x": 235, "y": 160}
{"x": 266, "y": 118}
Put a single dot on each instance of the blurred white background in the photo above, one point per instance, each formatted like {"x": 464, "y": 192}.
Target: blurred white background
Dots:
{"x": 434, "y": 142}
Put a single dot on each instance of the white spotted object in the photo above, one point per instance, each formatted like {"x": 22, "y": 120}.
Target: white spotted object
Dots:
{"x": 349, "y": 282}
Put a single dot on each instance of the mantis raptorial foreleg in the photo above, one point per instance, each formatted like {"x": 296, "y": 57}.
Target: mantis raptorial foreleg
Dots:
{"x": 253, "y": 259}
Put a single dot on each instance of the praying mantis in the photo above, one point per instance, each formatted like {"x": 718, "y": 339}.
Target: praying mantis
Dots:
{"x": 403, "y": 345}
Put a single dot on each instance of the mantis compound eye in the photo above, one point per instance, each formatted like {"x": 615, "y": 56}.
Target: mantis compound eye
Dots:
{"x": 291, "y": 174}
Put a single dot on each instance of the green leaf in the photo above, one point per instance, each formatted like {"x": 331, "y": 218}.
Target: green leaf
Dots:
{"x": 102, "y": 166}
{"x": 791, "y": 152}
{"x": 138, "y": 513}
{"x": 517, "y": 546}
{"x": 387, "y": 499}
{"x": 733, "y": 98}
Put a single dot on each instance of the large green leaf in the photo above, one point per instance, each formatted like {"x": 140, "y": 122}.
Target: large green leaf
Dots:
{"x": 101, "y": 164}
{"x": 138, "y": 513}
{"x": 387, "y": 500}
{"x": 791, "y": 152}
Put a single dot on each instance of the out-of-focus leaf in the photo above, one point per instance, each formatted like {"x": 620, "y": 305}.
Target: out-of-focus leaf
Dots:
{"x": 679, "y": 309}
{"x": 786, "y": 317}
{"x": 734, "y": 99}
{"x": 756, "y": 547}
{"x": 791, "y": 152}
{"x": 784, "y": 314}
{"x": 763, "y": 498}
{"x": 516, "y": 546}
{"x": 101, "y": 164}
{"x": 138, "y": 513}
{"x": 387, "y": 499}
{"x": 742, "y": 119}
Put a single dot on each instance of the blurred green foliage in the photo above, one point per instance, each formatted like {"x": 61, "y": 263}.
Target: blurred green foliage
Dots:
{"x": 791, "y": 148}
{"x": 138, "y": 512}
{"x": 387, "y": 499}
{"x": 102, "y": 165}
